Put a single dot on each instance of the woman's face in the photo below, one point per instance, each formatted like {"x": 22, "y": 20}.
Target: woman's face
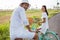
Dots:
{"x": 43, "y": 9}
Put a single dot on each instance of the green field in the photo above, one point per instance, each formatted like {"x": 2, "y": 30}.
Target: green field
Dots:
{"x": 5, "y": 16}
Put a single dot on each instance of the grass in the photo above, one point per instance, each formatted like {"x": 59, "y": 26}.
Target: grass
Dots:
{"x": 4, "y": 28}
{"x": 4, "y": 13}
{"x": 37, "y": 13}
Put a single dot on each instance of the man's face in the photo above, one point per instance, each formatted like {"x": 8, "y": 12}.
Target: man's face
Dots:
{"x": 25, "y": 5}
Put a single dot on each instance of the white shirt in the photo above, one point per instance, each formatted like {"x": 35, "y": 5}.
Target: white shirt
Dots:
{"x": 18, "y": 21}
{"x": 17, "y": 25}
{"x": 19, "y": 18}
{"x": 45, "y": 25}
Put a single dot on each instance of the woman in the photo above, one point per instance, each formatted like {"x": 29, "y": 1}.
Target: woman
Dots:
{"x": 43, "y": 28}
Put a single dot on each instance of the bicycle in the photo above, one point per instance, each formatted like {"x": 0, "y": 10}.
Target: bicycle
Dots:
{"x": 49, "y": 35}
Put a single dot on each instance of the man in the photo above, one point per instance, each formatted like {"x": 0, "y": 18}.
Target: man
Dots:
{"x": 18, "y": 23}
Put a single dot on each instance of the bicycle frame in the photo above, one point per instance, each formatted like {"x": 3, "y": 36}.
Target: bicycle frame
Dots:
{"x": 41, "y": 37}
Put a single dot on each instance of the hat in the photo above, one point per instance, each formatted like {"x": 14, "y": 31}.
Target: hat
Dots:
{"x": 25, "y": 1}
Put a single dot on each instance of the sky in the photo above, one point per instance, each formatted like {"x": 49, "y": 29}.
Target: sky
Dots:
{"x": 12, "y": 4}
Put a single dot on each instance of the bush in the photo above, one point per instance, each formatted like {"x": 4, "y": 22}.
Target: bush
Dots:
{"x": 4, "y": 31}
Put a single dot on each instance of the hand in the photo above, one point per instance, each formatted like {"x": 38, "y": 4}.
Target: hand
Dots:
{"x": 39, "y": 23}
{"x": 38, "y": 29}
{"x": 32, "y": 31}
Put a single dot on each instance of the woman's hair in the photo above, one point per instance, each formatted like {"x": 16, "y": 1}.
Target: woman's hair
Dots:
{"x": 45, "y": 9}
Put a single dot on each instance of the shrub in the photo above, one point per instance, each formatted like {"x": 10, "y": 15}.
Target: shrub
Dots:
{"x": 4, "y": 31}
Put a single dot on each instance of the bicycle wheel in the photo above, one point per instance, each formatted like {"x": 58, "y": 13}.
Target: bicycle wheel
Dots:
{"x": 51, "y": 36}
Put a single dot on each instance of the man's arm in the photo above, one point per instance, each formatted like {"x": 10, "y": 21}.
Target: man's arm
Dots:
{"x": 28, "y": 27}
{"x": 24, "y": 19}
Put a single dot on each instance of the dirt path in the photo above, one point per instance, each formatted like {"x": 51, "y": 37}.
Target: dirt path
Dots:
{"x": 4, "y": 19}
{"x": 54, "y": 23}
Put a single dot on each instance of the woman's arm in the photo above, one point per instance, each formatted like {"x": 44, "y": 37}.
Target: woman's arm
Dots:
{"x": 44, "y": 20}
